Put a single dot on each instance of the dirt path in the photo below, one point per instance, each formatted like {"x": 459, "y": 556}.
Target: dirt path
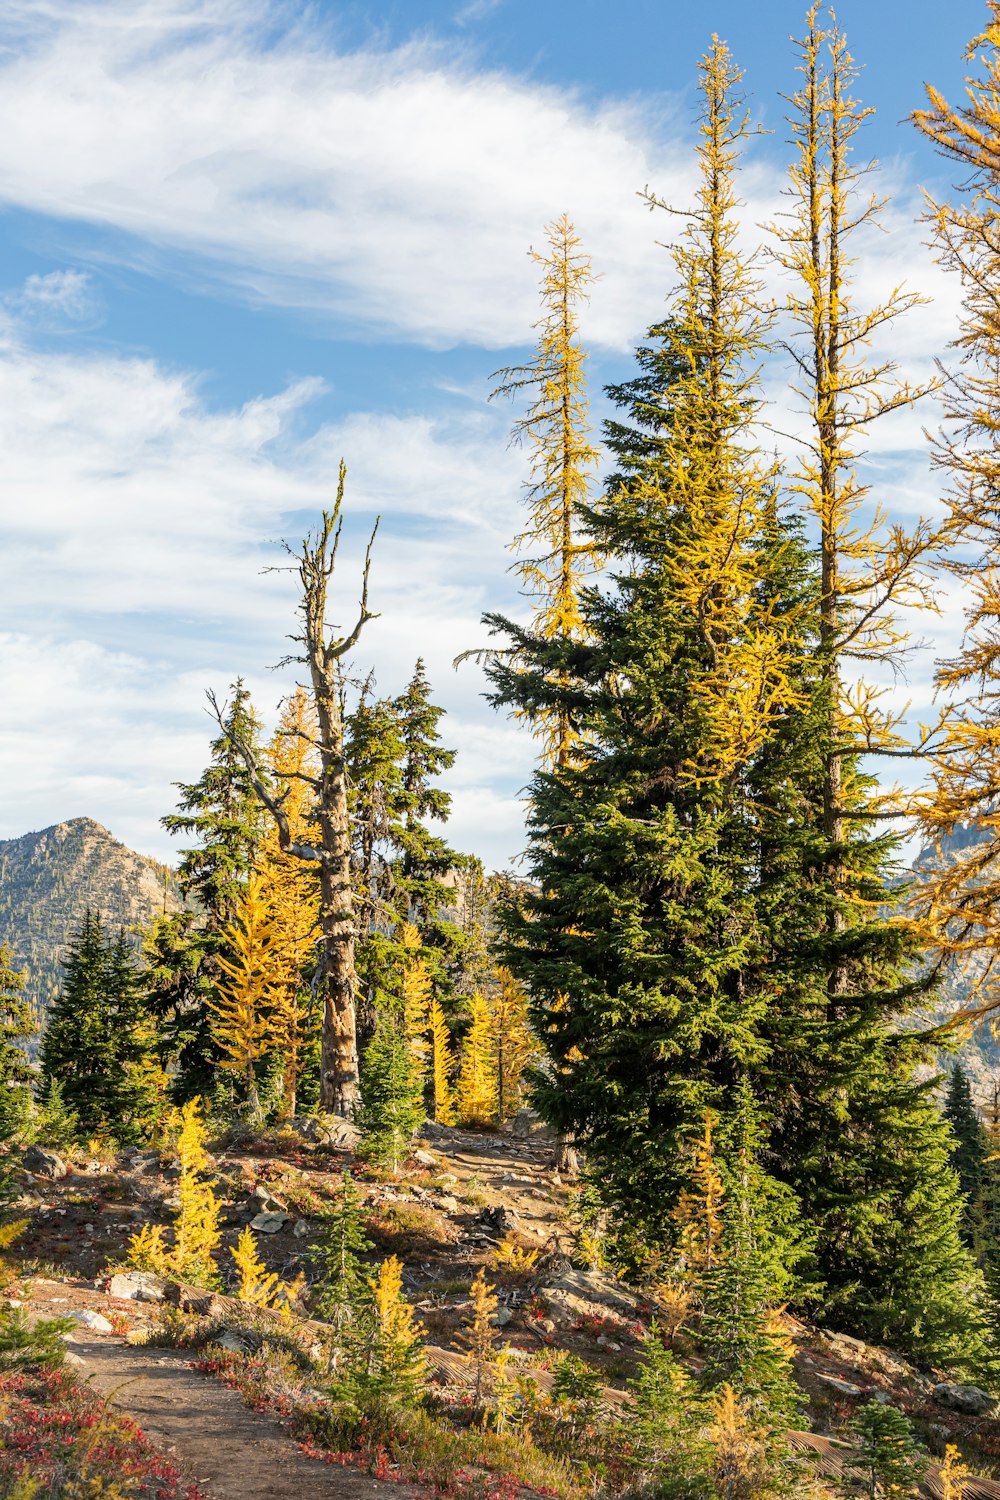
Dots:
{"x": 203, "y": 1426}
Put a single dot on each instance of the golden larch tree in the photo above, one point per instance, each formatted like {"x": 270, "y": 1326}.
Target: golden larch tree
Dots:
{"x": 963, "y": 890}
{"x": 476, "y": 1089}
{"x": 871, "y": 568}
{"x": 515, "y": 1046}
{"x": 416, "y": 993}
{"x": 556, "y": 557}
{"x": 252, "y": 966}
{"x": 290, "y": 888}
{"x": 442, "y": 1065}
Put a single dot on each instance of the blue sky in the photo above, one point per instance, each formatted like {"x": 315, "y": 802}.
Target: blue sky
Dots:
{"x": 238, "y": 239}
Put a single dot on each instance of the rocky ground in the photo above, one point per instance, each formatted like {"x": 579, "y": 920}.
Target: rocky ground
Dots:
{"x": 462, "y": 1194}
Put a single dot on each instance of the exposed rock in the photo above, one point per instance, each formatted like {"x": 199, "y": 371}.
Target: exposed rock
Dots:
{"x": 269, "y": 1223}
{"x": 74, "y": 1360}
{"x": 137, "y": 1286}
{"x": 301, "y": 1229}
{"x": 596, "y": 1287}
{"x": 501, "y": 1317}
{"x": 842, "y": 1387}
{"x": 447, "y": 1179}
{"x": 430, "y": 1130}
{"x": 498, "y": 1220}
{"x": 240, "y": 1340}
{"x": 261, "y": 1201}
{"x": 527, "y": 1124}
{"x": 425, "y": 1158}
{"x": 968, "y": 1399}
{"x": 328, "y": 1130}
{"x": 95, "y": 1321}
{"x": 45, "y": 1163}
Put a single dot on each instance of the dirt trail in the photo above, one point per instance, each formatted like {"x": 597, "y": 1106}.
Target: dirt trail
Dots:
{"x": 203, "y": 1426}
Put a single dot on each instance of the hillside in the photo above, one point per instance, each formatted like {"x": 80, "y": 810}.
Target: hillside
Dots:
{"x": 48, "y": 879}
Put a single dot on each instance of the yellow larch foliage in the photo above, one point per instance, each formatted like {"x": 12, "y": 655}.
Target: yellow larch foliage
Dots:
{"x": 515, "y": 1045}
{"x": 555, "y": 430}
{"x": 871, "y": 569}
{"x": 711, "y": 477}
{"x": 512, "y": 1257}
{"x": 740, "y": 1461}
{"x": 291, "y": 888}
{"x": 698, "y": 1213}
{"x": 416, "y": 994}
{"x": 242, "y": 1024}
{"x": 258, "y": 1285}
{"x": 953, "y": 1475}
{"x": 442, "y": 1065}
{"x": 484, "y": 1302}
{"x": 196, "y": 1231}
{"x": 476, "y": 1089}
{"x": 196, "y": 1227}
{"x": 396, "y": 1355}
{"x": 963, "y": 891}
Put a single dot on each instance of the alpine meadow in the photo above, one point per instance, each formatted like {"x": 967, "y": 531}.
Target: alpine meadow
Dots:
{"x": 625, "y": 1131}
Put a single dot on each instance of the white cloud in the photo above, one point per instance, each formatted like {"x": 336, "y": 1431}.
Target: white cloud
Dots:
{"x": 136, "y": 526}
{"x": 400, "y": 188}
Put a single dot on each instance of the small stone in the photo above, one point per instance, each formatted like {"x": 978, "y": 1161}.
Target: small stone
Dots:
{"x": 501, "y": 1317}
{"x": 137, "y": 1286}
{"x": 301, "y": 1229}
{"x": 425, "y": 1158}
{"x": 269, "y": 1223}
{"x": 447, "y": 1179}
{"x": 968, "y": 1399}
{"x": 45, "y": 1163}
{"x": 95, "y": 1321}
{"x": 527, "y": 1124}
{"x": 842, "y": 1387}
{"x": 549, "y": 1325}
{"x": 74, "y": 1360}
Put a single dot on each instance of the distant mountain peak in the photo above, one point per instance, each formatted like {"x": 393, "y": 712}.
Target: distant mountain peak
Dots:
{"x": 49, "y": 877}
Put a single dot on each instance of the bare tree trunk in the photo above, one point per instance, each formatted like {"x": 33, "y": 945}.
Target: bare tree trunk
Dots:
{"x": 323, "y": 653}
{"x": 565, "y": 1161}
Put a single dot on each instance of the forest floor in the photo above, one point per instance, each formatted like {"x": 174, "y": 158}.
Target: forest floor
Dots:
{"x": 461, "y": 1194}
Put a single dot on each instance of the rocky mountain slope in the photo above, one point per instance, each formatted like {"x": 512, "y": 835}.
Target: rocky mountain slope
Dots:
{"x": 48, "y": 879}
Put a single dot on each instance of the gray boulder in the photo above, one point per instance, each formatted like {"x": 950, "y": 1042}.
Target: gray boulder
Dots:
{"x": 95, "y": 1321}
{"x": 269, "y": 1223}
{"x": 45, "y": 1163}
{"x": 331, "y": 1131}
{"x": 968, "y": 1399}
{"x": 137, "y": 1286}
{"x": 261, "y": 1201}
{"x": 841, "y": 1387}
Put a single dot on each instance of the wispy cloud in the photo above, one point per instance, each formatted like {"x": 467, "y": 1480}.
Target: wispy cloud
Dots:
{"x": 476, "y": 10}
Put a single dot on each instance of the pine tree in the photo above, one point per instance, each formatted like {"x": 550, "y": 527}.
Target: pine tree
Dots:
{"x": 98, "y": 1041}
{"x": 341, "y": 1245}
{"x": 476, "y": 1087}
{"x": 222, "y": 812}
{"x": 969, "y": 1151}
{"x": 639, "y": 941}
{"x": 555, "y": 430}
{"x": 243, "y": 1024}
{"x": 391, "y": 1095}
{"x": 888, "y": 1462}
{"x": 17, "y": 1026}
{"x": 697, "y": 1214}
{"x": 743, "y": 1287}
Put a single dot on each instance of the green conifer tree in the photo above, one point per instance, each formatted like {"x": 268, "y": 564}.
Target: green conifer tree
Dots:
{"x": 391, "y": 1094}
{"x": 888, "y": 1464}
{"x": 969, "y": 1152}
{"x": 98, "y": 1042}
{"x": 17, "y": 1025}
{"x": 224, "y": 815}
{"x": 340, "y": 1247}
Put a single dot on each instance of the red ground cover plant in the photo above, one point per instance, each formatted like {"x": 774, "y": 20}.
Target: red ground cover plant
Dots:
{"x": 66, "y": 1441}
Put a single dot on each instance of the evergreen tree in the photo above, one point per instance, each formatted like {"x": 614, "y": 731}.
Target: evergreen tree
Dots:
{"x": 340, "y": 1247}
{"x": 221, "y": 810}
{"x": 969, "y": 1151}
{"x": 98, "y": 1042}
{"x": 889, "y": 1463}
{"x": 391, "y": 1095}
{"x": 639, "y": 941}
{"x": 17, "y": 1025}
